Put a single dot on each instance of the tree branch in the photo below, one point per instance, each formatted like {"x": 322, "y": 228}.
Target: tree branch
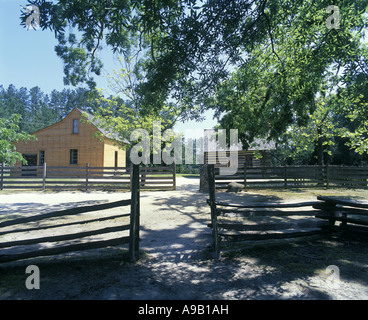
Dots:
{"x": 271, "y": 39}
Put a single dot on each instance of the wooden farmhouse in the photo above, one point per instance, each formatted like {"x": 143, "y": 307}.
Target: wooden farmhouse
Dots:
{"x": 73, "y": 143}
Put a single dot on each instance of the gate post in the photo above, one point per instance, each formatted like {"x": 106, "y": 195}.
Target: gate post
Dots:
{"x": 245, "y": 175}
{"x": 2, "y": 177}
{"x": 134, "y": 214}
{"x": 87, "y": 172}
{"x": 211, "y": 185}
{"x": 327, "y": 176}
{"x": 174, "y": 176}
{"x": 44, "y": 177}
{"x": 285, "y": 176}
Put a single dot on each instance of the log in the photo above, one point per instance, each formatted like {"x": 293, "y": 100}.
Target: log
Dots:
{"x": 270, "y": 226}
{"x": 291, "y": 233}
{"x": 266, "y": 213}
{"x": 212, "y": 203}
{"x": 345, "y": 220}
{"x": 72, "y": 211}
{"x": 63, "y": 237}
{"x": 273, "y": 242}
{"x": 267, "y": 205}
{"x": 134, "y": 214}
{"x": 349, "y": 203}
{"x": 66, "y": 224}
{"x": 65, "y": 249}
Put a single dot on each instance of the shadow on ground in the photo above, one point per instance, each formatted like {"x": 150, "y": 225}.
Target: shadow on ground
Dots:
{"x": 176, "y": 264}
{"x": 287, "y": 272}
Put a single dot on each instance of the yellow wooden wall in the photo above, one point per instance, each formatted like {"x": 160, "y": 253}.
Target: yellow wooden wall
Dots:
{"x": 109, "y": 155}
{"x": 57, "y": 140}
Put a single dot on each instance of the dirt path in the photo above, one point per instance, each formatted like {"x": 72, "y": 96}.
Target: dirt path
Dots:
{"x": 175, "y": 264}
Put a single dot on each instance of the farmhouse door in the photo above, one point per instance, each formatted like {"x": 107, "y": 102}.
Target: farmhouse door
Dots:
{"x": 31, "y": 159}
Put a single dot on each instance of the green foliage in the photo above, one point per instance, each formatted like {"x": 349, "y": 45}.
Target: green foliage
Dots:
{"x": 122, "y": 113}
{"x": 39, "y": 110}
{"x": 290, "y": 88}
{"x": 10, "y": 133}
{"x": 119, "y": 116}
{"x": 264, "y": 66}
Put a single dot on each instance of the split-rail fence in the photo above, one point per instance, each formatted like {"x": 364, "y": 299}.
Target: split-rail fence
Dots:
{"x": 237, "y": 226}
{"x": 29, "y": 243}
{"x": 85, "y": 178}
{"x": 326, "y": 176}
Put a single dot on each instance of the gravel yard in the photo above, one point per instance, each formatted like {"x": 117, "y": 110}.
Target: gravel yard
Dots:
{"x": 175, "y": 262}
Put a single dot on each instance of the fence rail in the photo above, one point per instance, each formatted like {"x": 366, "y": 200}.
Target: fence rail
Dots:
{"x": 127, "y": 221}
{"x": 353, "y": 215}
{"x": 236, "y": 226}
{"x": 296, "y": 177}
{"x": 85, "y": 178}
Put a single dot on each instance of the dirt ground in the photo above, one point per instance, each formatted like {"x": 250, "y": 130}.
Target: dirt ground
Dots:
{"x": 175, "y": 261}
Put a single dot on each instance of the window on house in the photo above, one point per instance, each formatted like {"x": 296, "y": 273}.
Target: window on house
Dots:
{"x": 75, "y": 125}
{"x": 73, "y": 156}
{"x": 42, "y": 157}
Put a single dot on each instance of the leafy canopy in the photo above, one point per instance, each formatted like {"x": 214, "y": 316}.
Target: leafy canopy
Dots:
{"x": 10, "y": 133}
{"x": 260, "y": 64}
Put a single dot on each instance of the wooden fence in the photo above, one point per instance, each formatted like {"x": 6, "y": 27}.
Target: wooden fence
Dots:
{"x": 352, "y": 215}
{"x": 85, "y": 178}
{"x": 296, "y": 177}
{"x": 29, "y": 244}
{"x": 236, "y": 226}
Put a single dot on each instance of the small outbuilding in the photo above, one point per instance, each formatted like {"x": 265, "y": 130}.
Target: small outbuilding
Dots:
{"x": 73, "y": 143}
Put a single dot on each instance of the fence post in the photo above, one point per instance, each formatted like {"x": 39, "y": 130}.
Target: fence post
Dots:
{"x": 2, "y": 176}
{"x": 285, "y": 176}
{"x": 174, "y": 176}
{"x": 245, "y": 175}
{"x": 44, "y": 177}
{"x": 212, "y": 190}
{"x": 134, "y": 215}
{"x": 321, "y": 179}
{"x": 138, "y": 213}
{"x": 143, "y": 176}
{"x": 87, "y": 172}
{"x": 327, "y": 177}
{"x": 131, "y": 175}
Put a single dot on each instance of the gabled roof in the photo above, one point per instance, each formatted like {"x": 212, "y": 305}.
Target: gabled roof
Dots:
{"x": 106, "y": 133}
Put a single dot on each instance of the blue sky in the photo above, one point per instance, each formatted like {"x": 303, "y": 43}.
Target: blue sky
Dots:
{"x": 28, "y": 59}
